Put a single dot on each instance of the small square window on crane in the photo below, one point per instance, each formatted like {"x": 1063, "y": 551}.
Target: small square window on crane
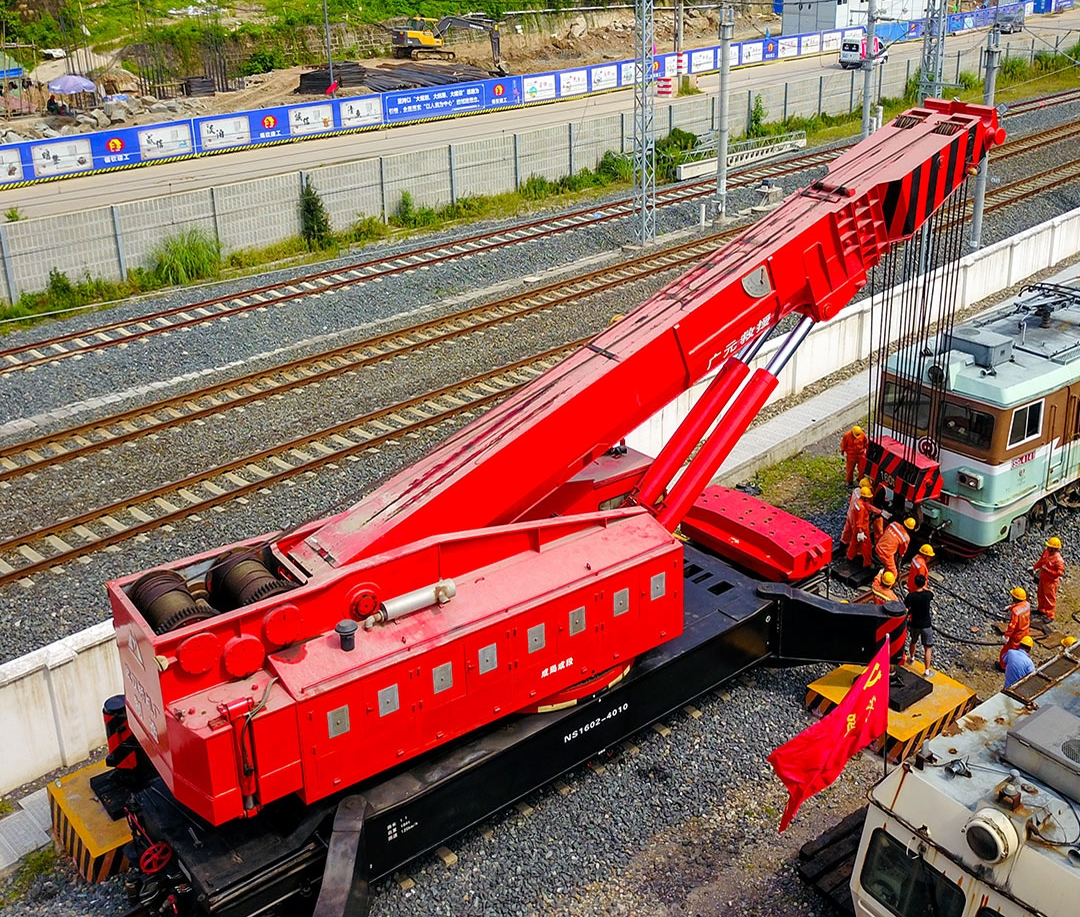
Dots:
{"x": 442, "y": 677}
{"x": 536, "y": 638}
{"x": 488, "y": 658}
{"x": 620, "y": 602}
{"x": 577, "y": 621}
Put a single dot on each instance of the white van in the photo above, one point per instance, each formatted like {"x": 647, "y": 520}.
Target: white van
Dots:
{"x": 853, "y": 51}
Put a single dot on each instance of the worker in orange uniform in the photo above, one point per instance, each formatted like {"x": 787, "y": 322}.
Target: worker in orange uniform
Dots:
{"x": 1050, "y": 567}
{"x": 893, "y": 543}
{"x": 857, "y": 526}
{"x": 882, "y": 588}
{"x": 1019, "y": 623}
{"x": 854, "y": 444}
{"x": 847, "y": 535}
{"x": 920, "y": 566}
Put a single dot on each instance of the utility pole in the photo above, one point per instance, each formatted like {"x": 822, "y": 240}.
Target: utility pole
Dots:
{"x": 644, "y": 124}
{"x": 727, "y": 32}
{"x": 993, "y": 54}
{"x": 679, "y": 21}
{"x": 868, "y": 69}
{"x": 933, "y": 54}
{"x": 329, "y": 55}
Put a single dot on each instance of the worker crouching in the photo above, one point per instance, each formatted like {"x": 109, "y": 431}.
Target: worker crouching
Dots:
{"x": 893, "y": 543}
{"x": 882, "y": 589}
{"x": 1019, "y": 623}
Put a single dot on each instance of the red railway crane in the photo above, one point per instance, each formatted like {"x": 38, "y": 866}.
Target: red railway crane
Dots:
{"x": 525, "y": 562}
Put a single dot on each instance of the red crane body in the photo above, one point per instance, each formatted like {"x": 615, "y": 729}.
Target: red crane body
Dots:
{"x": 500, "y": 572}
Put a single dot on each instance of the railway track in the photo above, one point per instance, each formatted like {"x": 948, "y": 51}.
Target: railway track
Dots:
{"x": 124, "y": 332}
{"x": 39, "y": 453}
{"x": 57, "y": 543}
{"x": 62, "y": 542}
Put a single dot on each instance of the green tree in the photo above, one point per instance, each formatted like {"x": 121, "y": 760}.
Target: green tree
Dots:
{"x": 314, "y": 221}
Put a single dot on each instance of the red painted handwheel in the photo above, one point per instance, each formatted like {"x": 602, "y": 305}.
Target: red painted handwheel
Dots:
{"x": 155, "y": 858}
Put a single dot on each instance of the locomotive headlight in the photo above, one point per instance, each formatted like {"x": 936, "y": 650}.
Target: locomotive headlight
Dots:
{"x": 991, "y": 836}
{"x": 969, "y": 479}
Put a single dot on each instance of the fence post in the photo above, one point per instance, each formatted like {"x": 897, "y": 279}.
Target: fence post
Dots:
{"x": 9, "y": 269}
{"x": 382, "y": 189}
{"x": 749, "y": 110}
{"x": 785, "y": 99}
{"x": 714, "y": 103}
{"x": 570, "y": 152}
{"x": 1031, "y": 61}
{"x": 958, "y": 67}
{"x": 121, "y": 254}
{"x": 517, "y": 159}
{"x": 820, "y": 93}
{"x": 213, "y": 216}
{"x": 453, "y": 177}
{"x": 851, "y": 95}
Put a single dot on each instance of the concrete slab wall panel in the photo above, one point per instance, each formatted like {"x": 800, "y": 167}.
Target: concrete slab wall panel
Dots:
{"x": 424, "y": 174}
{"x": 145, "y": 224}
{"x": 257, "y": 213}
{"x": 76, "y": 244}
{"x": 484, "y": 166}
{"x": 350, "y": 191}
{"x": 544, "y": 153}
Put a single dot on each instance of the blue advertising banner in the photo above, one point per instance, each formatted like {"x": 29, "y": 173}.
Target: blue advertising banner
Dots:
{"x": 432, "y": 102}
{"x": 502, "y": 92}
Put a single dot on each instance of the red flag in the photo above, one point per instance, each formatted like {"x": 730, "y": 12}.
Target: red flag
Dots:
{"x": 815, "y": 757}
{"x": 332, "y": 88}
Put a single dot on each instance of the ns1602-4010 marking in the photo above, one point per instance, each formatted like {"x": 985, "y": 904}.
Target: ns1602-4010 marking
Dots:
{"x": 592, "y": 724}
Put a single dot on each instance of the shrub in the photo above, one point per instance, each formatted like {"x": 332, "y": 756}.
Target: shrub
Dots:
{"x": 60, "y": 292}
{"x": 409, "y": 216}
{"x": 755, "y": 127}
{"x": 263, "y": 60}
{"x": 192, "y": 255}
{"x": 314, "y": 222}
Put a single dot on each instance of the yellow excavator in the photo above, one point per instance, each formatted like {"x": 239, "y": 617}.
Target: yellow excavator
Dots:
{"x": 423, "y": 39}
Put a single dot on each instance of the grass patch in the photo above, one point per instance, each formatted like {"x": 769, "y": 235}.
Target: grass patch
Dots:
{"x": 803, "y": 485}
{"x": 186, "y": 258}
{"x": 6, "y": 807}
{"x": 36, "y": 864}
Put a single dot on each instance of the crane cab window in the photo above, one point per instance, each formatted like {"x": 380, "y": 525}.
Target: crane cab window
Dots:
{"x": 905, "y": 883}
{"x": 967, "y": 426}
{"x": 1026, "y": 423}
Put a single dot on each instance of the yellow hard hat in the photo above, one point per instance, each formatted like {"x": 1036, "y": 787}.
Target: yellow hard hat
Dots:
{"x": 865, "y": 492}
{"x": 1018, "y": 592}
{"x": 888, "y": 577}
{"x": 1027, "y": 641}
{"x": 1068, "y": 641}
{"x": 864, "y": 482}
{"x": 926, "y": 550}
{"x": 856, "y": 430}
{"x": 910, "y": 523}
{"x": 1053, "y": 542}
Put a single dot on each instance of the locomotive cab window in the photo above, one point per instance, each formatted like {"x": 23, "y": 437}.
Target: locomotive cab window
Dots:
{"x": 907, "y": 885}
{"x": 1026, "y": 423}
{"x": 968, "y": 426}
{"x": 904, "y": 404}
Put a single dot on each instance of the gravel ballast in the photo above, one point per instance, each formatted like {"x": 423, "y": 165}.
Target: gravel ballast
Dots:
{"x": 688, "y": 825}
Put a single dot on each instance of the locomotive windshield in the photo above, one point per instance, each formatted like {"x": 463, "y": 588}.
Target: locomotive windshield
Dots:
{"x": 907, "y": 885}
{"x": 905, "y": 405}
{"x": 965, "y": 425}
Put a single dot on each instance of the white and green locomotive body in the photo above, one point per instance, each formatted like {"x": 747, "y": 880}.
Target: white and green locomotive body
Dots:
{"x": 999, "y": 411}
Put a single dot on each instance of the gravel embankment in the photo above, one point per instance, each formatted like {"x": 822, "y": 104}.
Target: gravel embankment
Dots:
{"x": 685, "y": 827}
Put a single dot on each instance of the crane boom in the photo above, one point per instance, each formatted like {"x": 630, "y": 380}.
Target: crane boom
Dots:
{"x": 809, "y": 256}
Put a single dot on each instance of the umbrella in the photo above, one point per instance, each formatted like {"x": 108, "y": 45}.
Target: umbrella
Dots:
{"x": 71, "y": 83}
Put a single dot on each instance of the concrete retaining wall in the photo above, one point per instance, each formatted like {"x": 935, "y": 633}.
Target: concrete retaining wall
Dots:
{"x": 50, "y": 700}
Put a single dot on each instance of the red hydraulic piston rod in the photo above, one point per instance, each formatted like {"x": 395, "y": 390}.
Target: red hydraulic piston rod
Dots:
{"x": 732, "y": 426}
{"x": 691, "y": 431}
